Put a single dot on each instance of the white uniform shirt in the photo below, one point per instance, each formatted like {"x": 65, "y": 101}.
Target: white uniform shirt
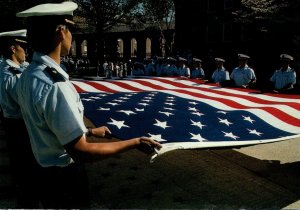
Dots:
{"x": 281, "y": 78}
{"x": 220, "y": 75}
{"x": 197, "y": 73}
{"x": 242, "y": 76}
{"x": 183, "y": 71}
{"x": 9, "y": 76}
{"x": 52, "y": 110}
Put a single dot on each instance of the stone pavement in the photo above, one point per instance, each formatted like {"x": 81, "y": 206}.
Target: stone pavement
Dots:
{"x": 189, "y": 179}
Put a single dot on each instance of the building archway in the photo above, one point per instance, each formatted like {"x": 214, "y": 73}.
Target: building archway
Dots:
{"x": 133, "y": 48}
{"x": 120, "y": 48}
{"x": 84, "y": 48}
{"x": 73, "y": 48}
{"x": 148, "y": 47}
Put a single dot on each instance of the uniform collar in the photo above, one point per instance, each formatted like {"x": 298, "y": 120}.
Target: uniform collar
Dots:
{"x": 12, "y": 64}
{"x": 48, "y": 61}
{"x": 287, "y": 70}
{"x": 244, "y": 67}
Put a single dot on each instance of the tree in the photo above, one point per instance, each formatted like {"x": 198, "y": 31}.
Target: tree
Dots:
{"x": 277, "y": 18}
{"x": 102, "y": 15}
{"x": 160, "y": 14}
{"x": 276, "y": 25}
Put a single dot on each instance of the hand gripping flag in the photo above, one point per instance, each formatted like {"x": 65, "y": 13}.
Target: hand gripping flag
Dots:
{"x": 187, "y": 114}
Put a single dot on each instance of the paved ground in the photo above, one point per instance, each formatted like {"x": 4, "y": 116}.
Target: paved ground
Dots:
{"x": 257, "y": 177}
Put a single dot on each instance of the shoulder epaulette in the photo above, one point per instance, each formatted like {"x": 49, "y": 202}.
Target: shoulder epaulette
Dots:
{"x": 54, "y": 74}
{"x": 14, "y": 70}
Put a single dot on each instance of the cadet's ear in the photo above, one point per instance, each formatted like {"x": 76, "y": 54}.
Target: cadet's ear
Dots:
{"x": 60, "y": 31}
{"x": 13, "y": 49}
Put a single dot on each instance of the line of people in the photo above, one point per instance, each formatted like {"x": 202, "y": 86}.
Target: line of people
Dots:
{"x": 243, "y": 76}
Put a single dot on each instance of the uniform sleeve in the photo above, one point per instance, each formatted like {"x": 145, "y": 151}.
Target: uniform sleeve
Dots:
{"x": 213, "y": 76}
{"x": 292, "y": 78}
{"x": 273, "y": 77}
{"x": 64, "y": 113}
{"x": 10, "y": 86}
{"x": 252, "y": 74}
{"x": 227, "y": 75}
{"x": 232, "y": 74}
{"x": 188, "y": 72}
{"x": 202, "y": 72}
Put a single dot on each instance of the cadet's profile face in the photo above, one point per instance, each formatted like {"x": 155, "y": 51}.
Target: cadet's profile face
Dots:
{"x": 66, "y": 43}
{"x": 242, "y": 62}
{"x": 19, "y": 53}
{"x": 219, "y": 64}
{"x": 284, "y": 63}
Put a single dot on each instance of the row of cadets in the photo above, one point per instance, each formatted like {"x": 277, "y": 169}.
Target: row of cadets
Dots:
{"x": 149, "y": 67}
{"x": 138, "y": 69}
{"x": 22, "y": 161}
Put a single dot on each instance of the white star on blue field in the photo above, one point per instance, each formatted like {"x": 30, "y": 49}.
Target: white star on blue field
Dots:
{"x": 170, "y": 118}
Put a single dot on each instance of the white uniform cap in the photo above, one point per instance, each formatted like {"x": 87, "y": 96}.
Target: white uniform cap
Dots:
{"x": 18, "y": 33}
{"x": 15, "y": 36}
{"x": 286, "y": 57}
{"x": 243, "y": 56}
{"x": 182, "y": 59}
{"x": 197, "y": 60}
{"x": 219, "y": 60}
{"x": 64, "y": 8}
{"x": 171, "y": 59}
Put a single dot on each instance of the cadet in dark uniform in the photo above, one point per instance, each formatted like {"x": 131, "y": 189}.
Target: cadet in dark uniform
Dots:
{"x": 53, "y": 111}
{"x": 22, "y": 161}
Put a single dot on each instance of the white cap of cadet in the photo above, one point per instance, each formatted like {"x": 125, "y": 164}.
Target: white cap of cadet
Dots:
{"x": 286, "y": 57}
{"x": 17, "y": 33}
{"x": 64, "y": 8}
{"x": 243, "y": 56}
{"x": 15, "y": 36}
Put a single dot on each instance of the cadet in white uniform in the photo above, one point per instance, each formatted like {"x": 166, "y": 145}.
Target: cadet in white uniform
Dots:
{"x": 197, "y": 71}
{"x": 220, "y": 75}
{"x": 182, "y": 70}
{"x": 284, "y": 79}
{"x": 170, "y": 67}
{"x": 22, "y": 161}
{"x": 53, "y": 112}
{"x": 243, "y": 75}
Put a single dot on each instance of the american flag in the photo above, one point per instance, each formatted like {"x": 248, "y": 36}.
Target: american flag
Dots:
{"x": 189, "y": 114}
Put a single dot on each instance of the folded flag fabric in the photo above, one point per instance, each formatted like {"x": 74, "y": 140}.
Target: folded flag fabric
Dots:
{"x": 188, "y": 114}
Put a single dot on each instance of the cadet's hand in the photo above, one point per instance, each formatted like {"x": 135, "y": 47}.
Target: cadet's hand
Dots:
{"x": 101, "y": 131}
{"x": 147, "y": 145}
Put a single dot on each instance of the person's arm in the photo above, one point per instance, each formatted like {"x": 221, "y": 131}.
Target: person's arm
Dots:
{"x": 82, "y": 150}
{"x": 252, "y": 79}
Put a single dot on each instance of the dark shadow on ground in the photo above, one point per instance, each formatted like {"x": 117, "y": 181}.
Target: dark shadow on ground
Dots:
{"x": 220, "y": 179}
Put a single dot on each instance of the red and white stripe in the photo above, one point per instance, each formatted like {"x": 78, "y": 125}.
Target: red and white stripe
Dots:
{"x": 280, "y": 111}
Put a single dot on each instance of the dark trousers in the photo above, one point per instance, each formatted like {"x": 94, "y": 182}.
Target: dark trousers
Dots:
{"x": 22, "y": 162}
{"x": 64, "y": 187}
